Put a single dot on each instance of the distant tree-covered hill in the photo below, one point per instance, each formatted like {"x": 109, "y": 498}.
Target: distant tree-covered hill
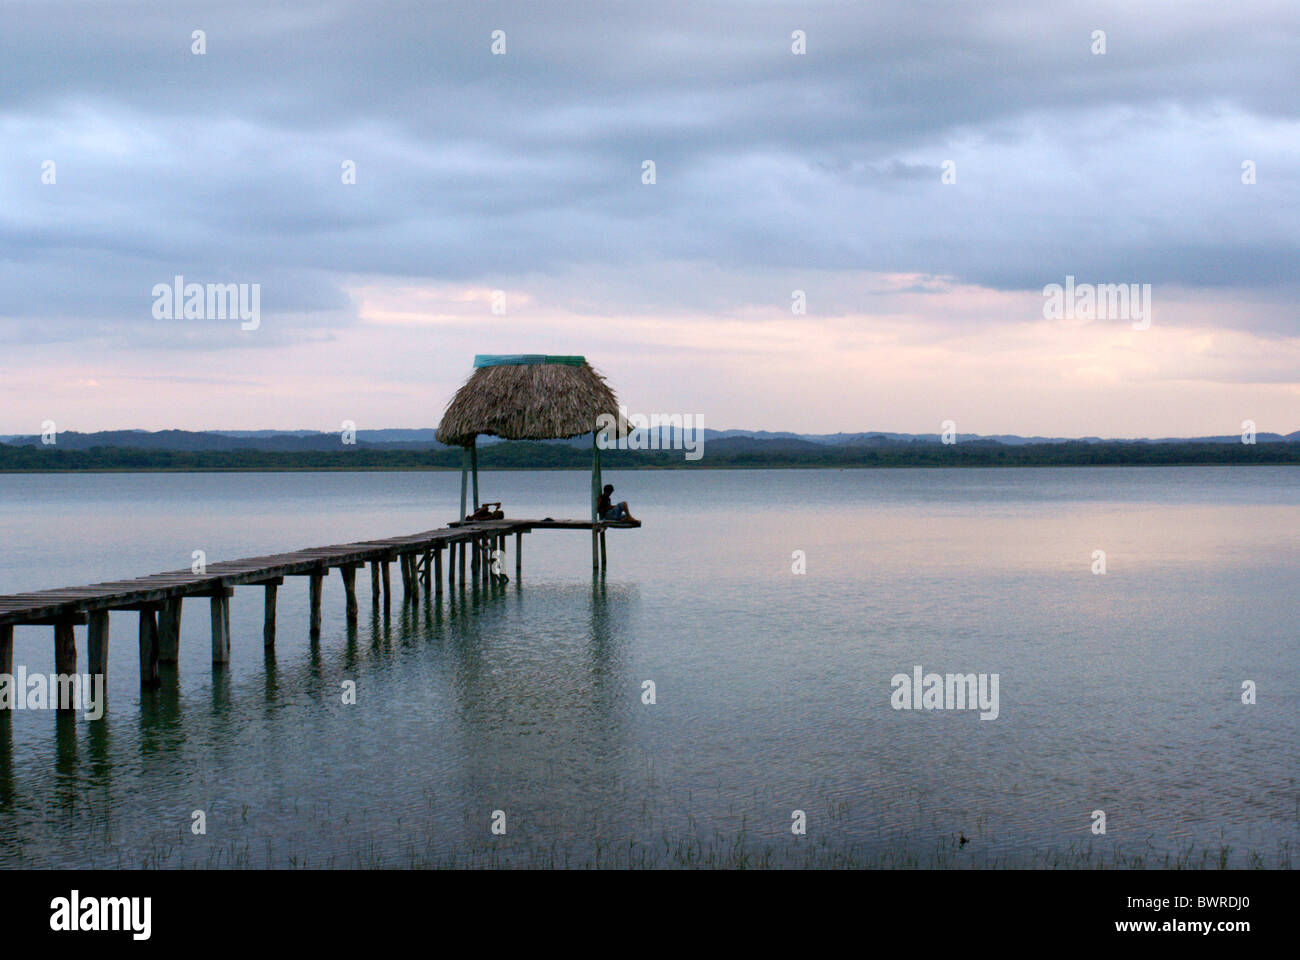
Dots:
{"x": 423, "y": 438}
{"x": 723, "y": 453}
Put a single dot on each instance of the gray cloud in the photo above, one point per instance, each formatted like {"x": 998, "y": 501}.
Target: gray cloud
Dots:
{"x": 475, "y": 168}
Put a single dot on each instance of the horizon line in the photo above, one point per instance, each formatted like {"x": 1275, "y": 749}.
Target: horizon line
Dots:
{"x": 798, "y": 433}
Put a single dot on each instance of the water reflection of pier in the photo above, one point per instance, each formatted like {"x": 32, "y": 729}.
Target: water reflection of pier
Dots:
{"x": 537, "y": 672}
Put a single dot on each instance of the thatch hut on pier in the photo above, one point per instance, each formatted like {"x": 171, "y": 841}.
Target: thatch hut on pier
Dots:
{"x": 526, "y": 397}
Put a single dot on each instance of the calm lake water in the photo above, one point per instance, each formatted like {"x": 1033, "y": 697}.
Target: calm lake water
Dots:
{"x": 1119, "y": 692}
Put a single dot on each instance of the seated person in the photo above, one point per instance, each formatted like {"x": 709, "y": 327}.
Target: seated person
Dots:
{"x": 609, "y": 512}
{"x": 488, "y": 511}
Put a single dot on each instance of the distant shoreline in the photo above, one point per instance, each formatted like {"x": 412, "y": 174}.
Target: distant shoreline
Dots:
{"x": 717, "y": 456}
{"x": 774, "y": 466}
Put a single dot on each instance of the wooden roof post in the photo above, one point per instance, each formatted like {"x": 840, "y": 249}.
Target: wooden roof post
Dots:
{"x": 464, "y": 466}
{"x": 595, "y": 495}
{"x": 595, "y": 475}
{"x": 473, "y": 459}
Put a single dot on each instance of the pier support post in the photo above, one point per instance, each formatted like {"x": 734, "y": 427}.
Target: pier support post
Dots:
{"x": 595, "y": 550}
{"x": 602, "y": 548}
{"x": 428, "y": 571}
{"x": 220, "y": 604}
{"x": 7, "y": 650}
{"x": 519, "y": 553}
{"x": 268, "y": 613}
{"x": 169, "y": 631}
{"x": 96, "y": 644}
{"x": 313, "y": 598}
{"x": 65, "y": 654}
{"x": 148, "y": 646}
{"x": 388, "y": 587}
{"x": 477, "y": 548}
{"x": 349, "y": 574}
{"x": 374, "y": 583}
{"x": 65, "y": 647}
{"x": 437, "y": 571}
{"x": 460, "y": 548}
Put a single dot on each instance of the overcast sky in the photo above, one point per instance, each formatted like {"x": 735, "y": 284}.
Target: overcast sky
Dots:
{"x": 774, "y": 172}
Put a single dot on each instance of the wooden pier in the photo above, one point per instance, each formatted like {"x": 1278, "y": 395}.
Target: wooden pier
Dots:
{"x": 158, "y": 598}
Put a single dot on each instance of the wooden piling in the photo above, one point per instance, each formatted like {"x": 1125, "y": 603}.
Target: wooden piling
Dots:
{"x": 388, "y": 587}
{"x": 96, "y": 643}
{"x": 602, "y": 548}
{"x": 169, "y": 631}
{"x": 461, "y": 562}
{"x": 349, "y": 574}
{"x": 7, "y": 648}
{"x": 220, "y": 608}
{"x": 476, "y": 549}
{"x": 519, "y": 554}
{"x": 374, "y": 583}
{"x": 428, "y": 571}
{"x": 65, "y": 648}
{"x": 595, "y": 549}
{"x": 65, "y": 657}
{"x": 148, "y": 646}
{"x": 437, "y": 571}
{"x": 268, "y": 613}
{"x": 313, "y": 598}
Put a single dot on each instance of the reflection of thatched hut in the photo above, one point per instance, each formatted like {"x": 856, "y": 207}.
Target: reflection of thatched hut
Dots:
{"x": 526, "y": 397}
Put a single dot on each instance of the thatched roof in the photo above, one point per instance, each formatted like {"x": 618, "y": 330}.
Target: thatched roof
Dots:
{"x": 527, "y": 397}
